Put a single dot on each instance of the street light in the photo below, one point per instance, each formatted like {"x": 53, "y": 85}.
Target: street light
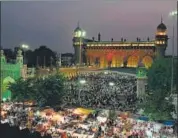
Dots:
{"x": 25, "y": 47}
{"x": 111, "y": 84}
{"x": 105, "y": 72}
{"x": 172, "y": 14}
{"x": 81, "y": 34}
{"x": 81, "y": 82}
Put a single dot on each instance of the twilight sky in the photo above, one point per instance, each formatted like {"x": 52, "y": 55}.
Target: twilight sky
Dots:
{"x": 52, "y": 23}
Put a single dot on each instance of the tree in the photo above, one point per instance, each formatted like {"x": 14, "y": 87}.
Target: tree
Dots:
{"x": 22, "y": 90}
{"x": 9, "y": 54}
{"x": 159, "y": 81}
{"x": 44, "y": 55}
{"x": 157, "y": 107}
{"x": 159, "y": 75}
{"x": 51, "y": 90}
{"x": 44, "y": 91}
{"x": 31, "y": 60}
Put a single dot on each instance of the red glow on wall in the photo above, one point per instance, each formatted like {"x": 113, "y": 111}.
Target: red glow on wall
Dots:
{"x": 109, "y": 56}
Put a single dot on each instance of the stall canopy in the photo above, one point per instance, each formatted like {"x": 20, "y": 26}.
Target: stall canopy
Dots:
{"x": 169, "y": 123}
{"x": 82, "y": 111}
{"x": 144, "y": 118}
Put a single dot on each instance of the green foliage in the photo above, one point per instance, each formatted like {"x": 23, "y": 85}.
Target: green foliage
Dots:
{"x": 21, "y": 90}
{"x": 159, "y": 75}
{"x": 51, "y": 90}
{"x": 44, "y": 91}
{"x": 155, "y": 105}
{"x": 112, "y": 115}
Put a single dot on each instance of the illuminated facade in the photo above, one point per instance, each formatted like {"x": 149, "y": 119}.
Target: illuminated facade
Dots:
{"x": 10, "y": 72}
{"x": 122, "y": 53}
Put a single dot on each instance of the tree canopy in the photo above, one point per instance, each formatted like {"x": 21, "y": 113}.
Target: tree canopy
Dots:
{"x": 47, "y": 91}
{"x": 158, "y": 104}
{"x": 159, "y": 75}
{"x": 43, "y": 54}
{"x": 20, "y": 90}
{"x": 51, "y": 90}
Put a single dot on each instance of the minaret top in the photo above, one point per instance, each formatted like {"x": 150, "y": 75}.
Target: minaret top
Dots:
{"x": 162, "y": 26}
{"x": 78, "y": 24}
{"x": 78, "y": 27}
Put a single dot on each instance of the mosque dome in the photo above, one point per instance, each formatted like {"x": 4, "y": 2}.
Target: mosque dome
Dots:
{"x": 162, "y": 26}
{"x": 77, "y": 29}
{"x": 78, "y": 32}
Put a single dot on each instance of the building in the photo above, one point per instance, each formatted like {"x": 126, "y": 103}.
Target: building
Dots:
{"x": 67, "y": 59}
{"x": 10, "y": 72}
{"x": 121, "y": 53}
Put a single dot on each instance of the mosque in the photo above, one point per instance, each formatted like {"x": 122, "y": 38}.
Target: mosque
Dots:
{"x": 121, "y": 53}
{"x": 10, "y": 72}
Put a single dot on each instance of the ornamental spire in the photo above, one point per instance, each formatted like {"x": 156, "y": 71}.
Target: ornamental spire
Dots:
{"x": 161, "y": 19}
{"x": 78, "y": 24}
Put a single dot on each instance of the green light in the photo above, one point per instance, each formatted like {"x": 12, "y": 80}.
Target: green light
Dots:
{"x": 4, "y": 99}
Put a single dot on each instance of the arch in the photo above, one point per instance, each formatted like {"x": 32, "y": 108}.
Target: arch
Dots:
{"x": 132, "y": 61}
{"x": 6, "y": 93}
{"x": 147, "y": 61}
{"x": 119, "y": 61}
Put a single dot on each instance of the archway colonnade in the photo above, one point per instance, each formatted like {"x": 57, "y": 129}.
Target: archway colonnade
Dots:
{"x": 119, "y": 58}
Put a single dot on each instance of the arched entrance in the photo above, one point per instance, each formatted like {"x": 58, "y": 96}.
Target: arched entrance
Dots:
{"x": 109, "y": 58}
{"x": 147, "y": 61}
{"x": 6, "y": 93}
{"x": 133, "y": 61}
{"x": 119, "y": 61}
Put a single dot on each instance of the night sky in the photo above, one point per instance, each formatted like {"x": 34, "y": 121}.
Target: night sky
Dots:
{"x": 52, "y": 23}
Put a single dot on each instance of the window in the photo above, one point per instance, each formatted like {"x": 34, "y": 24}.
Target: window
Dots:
{"x": 134, "y": 44}
{"x": 161, "y": 33}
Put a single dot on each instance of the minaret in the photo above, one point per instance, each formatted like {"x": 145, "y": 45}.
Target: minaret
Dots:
{"x": 3, "y": 58}
{"x": 161, "y": 39}
{"x": 78, "y": 43}
{"x": 19, "y": 57}
{"x": 99, "y": 37}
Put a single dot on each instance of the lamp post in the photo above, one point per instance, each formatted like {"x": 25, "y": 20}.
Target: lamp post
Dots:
{"x": 106, "y": 72}
{"x": 81, "y": 34}
{"x": 112, "y": 85}
{"x": 25, "y": 47}
{"x": 81, "y": 82}
{"x": 172, "y": 14}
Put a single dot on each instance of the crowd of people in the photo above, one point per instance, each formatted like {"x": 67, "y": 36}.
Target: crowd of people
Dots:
{"x": 80, "y": 123}
{"x": 111, "y": 97}
{"x": 106, "y": 90}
